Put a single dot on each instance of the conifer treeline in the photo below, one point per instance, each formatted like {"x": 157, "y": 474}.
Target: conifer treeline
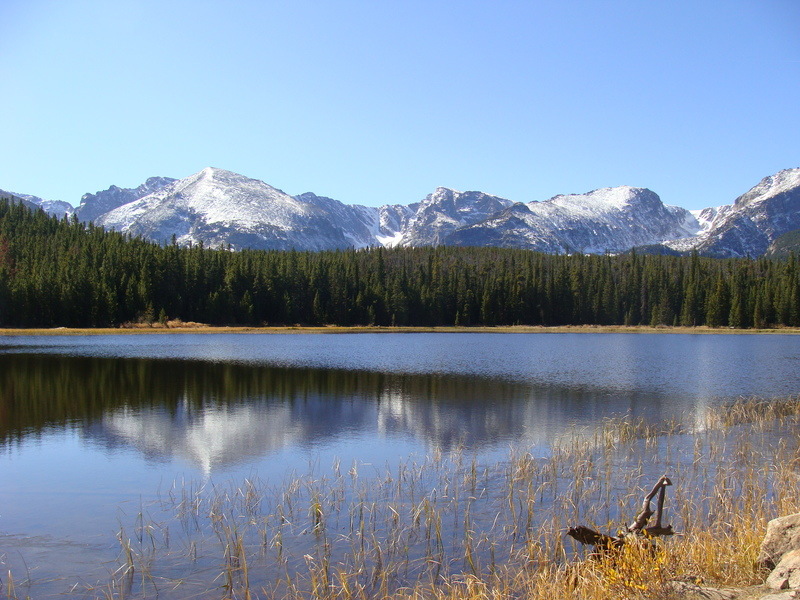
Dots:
{"x": 64, "y": 273}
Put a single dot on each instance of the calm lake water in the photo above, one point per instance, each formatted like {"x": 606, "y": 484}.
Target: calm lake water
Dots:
{"x": 94, "y": 428}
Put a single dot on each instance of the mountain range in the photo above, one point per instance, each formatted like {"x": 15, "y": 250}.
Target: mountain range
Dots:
{"x": 224, "y": 209}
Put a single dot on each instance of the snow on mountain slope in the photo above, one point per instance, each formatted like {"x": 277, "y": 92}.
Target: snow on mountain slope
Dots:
{"x": 219, "y": 208}
{"x": 755, "y": 219}
{"x": 94, "y": 205}
{"x": 604, "y": 220}
{"x": 17, "y": 198}
{"x": 361, "y": 226}
{"x": 782, "y": 183}
{"x": 57, "y": 208}
{"x": 709, "y": 218}
{"x": 393, "y": 220}
{"x": 222, "y": 208}
{"x": 444, "y": 211}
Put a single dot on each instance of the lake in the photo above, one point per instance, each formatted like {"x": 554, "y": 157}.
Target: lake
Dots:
{"x": 95, "y": 430}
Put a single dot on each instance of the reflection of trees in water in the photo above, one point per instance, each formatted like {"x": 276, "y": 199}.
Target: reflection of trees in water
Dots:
{"x": 219, "y": 413}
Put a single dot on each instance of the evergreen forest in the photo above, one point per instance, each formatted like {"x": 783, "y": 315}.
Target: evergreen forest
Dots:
{"x": 61, "y": 272}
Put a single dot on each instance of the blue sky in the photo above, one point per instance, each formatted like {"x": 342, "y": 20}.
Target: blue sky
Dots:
{"x": 380, "y": 102}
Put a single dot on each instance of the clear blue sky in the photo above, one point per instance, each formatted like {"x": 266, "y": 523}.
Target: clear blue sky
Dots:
{"x": 377, "y": 102}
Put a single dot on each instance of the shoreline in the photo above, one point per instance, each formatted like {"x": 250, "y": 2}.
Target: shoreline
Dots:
{"x": 335, "y": 329}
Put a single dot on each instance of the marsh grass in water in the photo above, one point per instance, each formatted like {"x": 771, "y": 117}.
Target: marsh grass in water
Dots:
{"x": 450, "y": 527}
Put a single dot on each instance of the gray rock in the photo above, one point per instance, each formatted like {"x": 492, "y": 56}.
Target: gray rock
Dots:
{"x": 786, "y": 575}
{"x": 691, "y": 591}
{"x": 783, "y": 535}
{"x": 787, "y": 595}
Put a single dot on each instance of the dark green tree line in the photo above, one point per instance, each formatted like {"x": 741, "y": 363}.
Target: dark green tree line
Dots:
{"x": 64, "y": 273}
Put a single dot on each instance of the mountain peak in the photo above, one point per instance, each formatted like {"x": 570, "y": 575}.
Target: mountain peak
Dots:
{"x": 224, "y": 208}
{"x": 769, "y": 187}
{"x": 93, "y": 206}
{"x": 620, "y": 197}
{"x": 223, "y": 178}
{"x": 212, "y": 171}
{"x": 216, "y": 173}
{"x": 441, "y": 189}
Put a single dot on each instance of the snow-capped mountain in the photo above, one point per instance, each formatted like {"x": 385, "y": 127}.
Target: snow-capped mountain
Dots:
{"x": 94, "y": 205}
{"x": 605, "y": 220}
{"x": 361, "y": 226}
{"x": 445, "y": 211}
{"x": 752, "y": 222}
{"x": 221, "y": 208}
{"x": 56, "y": 208}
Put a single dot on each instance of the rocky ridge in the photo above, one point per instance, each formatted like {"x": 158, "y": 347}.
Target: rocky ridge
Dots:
{"x": 53, "y": 207}
{"x": 95, "y": 205}
{"x": 755, "y": 219}
{"x": 605, "y": 220}
{"x": 224, "y": 209}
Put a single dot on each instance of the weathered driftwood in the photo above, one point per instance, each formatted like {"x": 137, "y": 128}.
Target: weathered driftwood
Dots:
{"x": 601, "y": 541}
{"x": 590, "y": 537}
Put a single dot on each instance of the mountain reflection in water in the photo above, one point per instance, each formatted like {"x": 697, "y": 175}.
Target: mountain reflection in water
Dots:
{"x": 216, "y": 415}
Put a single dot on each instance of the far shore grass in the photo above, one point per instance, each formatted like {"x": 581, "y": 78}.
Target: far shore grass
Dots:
{"x": 183, "y": 327}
